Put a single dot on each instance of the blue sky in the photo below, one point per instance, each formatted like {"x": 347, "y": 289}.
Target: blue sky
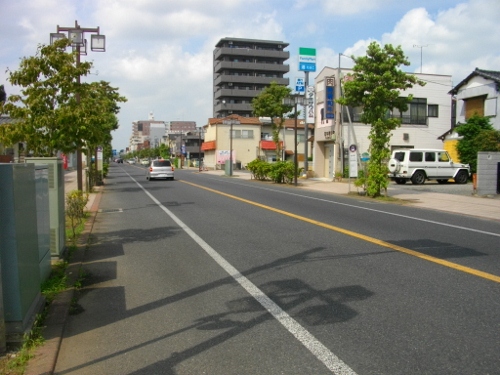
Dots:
{"x": 159, "y": 52}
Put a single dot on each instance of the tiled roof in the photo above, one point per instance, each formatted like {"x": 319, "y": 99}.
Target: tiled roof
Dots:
{"x": 488, "y": 74}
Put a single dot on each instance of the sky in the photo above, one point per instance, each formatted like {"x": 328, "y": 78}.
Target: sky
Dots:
{"x": 159, "y": 52}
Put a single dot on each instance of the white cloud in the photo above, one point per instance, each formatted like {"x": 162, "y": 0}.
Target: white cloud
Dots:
{"x": 349, "y": 7}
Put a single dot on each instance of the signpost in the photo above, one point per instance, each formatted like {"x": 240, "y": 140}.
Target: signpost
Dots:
{"x": 353, "y": 161}
{"x": 307, "y": 63}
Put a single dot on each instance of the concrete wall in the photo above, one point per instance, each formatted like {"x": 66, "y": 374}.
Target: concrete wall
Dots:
{"x": 488, "y": 173}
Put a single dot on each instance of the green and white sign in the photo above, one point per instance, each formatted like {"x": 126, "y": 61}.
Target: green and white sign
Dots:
{"x": 307, "y": 59}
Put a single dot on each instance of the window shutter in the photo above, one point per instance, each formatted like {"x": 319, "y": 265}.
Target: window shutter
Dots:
{"x": 474, "y": 106}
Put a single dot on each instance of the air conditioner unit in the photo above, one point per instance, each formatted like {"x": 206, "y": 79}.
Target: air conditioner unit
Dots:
{"x": 230, "y": 84}
{"x": 229, "y": 111}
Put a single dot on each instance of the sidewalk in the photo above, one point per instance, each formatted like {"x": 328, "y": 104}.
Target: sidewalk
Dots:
{"x": 46, "y": 356}
{"x": 71, "y": 183}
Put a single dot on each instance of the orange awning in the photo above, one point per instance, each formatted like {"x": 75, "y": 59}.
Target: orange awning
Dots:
{"x": 208, "y": 146}
{"x": 269, "y": 145}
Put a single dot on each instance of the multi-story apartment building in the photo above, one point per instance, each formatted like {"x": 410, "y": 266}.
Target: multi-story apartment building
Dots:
{"x": 242, "y": 69}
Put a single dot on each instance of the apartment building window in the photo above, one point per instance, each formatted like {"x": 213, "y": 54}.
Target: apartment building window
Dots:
{"x": 433, "y": 110}
{"x": 416, "y": 113}
{"x": 243, "y": 134}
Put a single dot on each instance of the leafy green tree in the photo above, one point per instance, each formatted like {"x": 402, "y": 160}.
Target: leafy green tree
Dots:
{"x": 3, "y": 95}
{"x": 55, "y": 111}
{"x": 376, "y": 85}
{"x": 269, "y": 103}
{"x": 477, "y": 135}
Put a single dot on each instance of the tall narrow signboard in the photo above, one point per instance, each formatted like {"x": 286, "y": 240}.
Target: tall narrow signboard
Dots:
{"x": 329, "y": 97}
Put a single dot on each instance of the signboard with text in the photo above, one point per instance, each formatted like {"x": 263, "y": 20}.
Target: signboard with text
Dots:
{"x": 329, "y": 97}
{"x": 310, "y": 104}
{"x": 300, "y": 87}
{"x": 307, "y": 59}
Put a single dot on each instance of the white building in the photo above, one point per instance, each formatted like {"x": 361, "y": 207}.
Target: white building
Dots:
{"x": 337, "y": 131}
{"x": 478, "y": 93}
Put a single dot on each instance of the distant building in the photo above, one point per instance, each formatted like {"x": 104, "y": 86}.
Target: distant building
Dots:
{"x": 242, "y": 69}
{"x": 147, "y": 133}
{"x": 181, "y": 126}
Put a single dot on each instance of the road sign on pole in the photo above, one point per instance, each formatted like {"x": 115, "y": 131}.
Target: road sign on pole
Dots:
{"x": 300, "y": 86}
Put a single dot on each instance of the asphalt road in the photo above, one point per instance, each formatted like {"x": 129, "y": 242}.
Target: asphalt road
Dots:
{"x": 210, "y": 275}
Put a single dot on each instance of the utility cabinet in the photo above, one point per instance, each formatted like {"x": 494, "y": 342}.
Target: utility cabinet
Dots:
{"x": 56, "y": 202}
{"x": 19, "y": 252}
{"x": 42, "y": 220}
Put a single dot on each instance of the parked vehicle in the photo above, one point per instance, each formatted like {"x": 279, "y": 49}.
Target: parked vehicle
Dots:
{"x": 118, "y": 160}
{"x": 160, "y": 168}
{"x": 418, "y": 165}
{"x": 131, "y": 161}
{"x": 145, "y": 162}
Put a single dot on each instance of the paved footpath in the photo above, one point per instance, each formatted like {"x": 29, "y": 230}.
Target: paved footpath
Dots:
{"x": 46, "y": 356}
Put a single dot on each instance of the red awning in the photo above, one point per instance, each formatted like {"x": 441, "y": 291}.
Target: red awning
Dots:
{"x": 269, "y": 145}
{"x": 208, "y": 146}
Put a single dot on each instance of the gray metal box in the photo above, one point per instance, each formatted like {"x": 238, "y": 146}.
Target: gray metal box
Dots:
{"x": 19, "y": 253}
{"x": 56, "y": 203}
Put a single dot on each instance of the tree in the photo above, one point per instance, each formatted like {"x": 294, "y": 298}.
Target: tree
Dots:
{"x": 269, "y": 103}
{"x": 376, "y": 85}
{"x": 54, "y": 111}
{"x": 3, "y": 95}
{"x": 477, "y": 135}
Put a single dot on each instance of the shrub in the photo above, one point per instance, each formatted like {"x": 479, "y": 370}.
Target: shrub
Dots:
{"x": 259, "y": 168}
{"x": 282, "y": 172}
{"x": 75, "y": 206}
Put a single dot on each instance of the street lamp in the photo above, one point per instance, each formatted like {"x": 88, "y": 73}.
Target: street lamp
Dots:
{"x": 97, "y": 44}
{"x": 294, "y": 100}
{"x": 231, "y": 122}
{"x": 200, "y": 130}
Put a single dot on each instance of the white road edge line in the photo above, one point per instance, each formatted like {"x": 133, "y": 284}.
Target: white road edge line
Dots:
{"x": 330, "y": 360}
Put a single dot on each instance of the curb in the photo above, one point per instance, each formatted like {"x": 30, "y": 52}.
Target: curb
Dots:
{"x": 44, "y": 357}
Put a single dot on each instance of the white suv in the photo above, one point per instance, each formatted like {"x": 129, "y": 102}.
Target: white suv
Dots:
{"x": 418, "y": 165}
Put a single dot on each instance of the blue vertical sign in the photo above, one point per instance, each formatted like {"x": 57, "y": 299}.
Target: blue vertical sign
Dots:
{"x": 330, "y": 97}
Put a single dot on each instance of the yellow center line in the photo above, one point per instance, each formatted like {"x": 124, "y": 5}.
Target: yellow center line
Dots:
{"x": 360, "y": 236}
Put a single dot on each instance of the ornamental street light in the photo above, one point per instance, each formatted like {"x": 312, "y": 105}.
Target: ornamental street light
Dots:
{"x": 97, "y": 44}
{"x": 294, "y": 100}
{"x": 231, "y": 122}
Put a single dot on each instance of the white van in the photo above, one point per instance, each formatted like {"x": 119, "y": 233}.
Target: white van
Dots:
{"x": 418, "y": 165}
